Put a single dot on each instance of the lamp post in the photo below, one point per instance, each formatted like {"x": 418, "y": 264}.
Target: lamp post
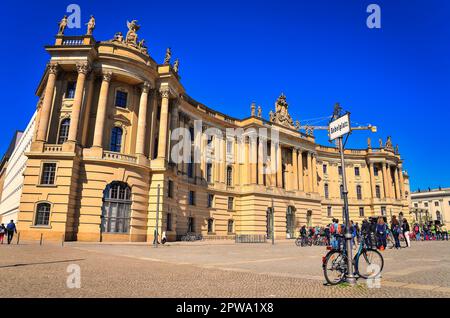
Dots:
{"x": 155, "y": 240}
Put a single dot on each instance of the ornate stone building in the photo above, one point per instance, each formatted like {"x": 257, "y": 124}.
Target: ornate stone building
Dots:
{"x": 101, "y": 149}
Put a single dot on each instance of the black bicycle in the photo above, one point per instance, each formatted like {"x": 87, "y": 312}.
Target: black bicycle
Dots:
{"x": 367, "y": 263}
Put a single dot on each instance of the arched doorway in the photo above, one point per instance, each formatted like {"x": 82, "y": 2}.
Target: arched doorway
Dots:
{"x": 290, "y": 222}
{"x": 116, "y": 208}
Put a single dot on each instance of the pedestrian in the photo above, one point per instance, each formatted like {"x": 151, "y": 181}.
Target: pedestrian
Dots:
{"x": 406, "y": 229}
{"x": 444, "y": 232}
{"x": 2, "y": 232}
{"x": 381, "y": 231}
{"x": 396, "y": 231}
{"x": 164, "y": 238}
{"x": 417, "y": 231}
{"x": 365, "y": 233}
{"x": 11, "y": 229}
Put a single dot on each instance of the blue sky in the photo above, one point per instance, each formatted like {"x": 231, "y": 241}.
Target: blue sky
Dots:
{"x": 235, "y": 52}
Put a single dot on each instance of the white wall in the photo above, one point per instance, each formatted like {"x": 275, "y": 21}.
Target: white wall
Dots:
{"x": 12, "y": 188}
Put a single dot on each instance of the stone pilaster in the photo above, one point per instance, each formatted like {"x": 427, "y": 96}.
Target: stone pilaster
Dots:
{"x": 295, "y": 181}
{"x": 142, "y": 120}
{"x": 300, "y": 171}
{"x": 163, "y": 122}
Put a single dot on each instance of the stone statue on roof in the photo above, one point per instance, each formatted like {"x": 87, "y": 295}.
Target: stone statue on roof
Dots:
{"x": 132, "y": 36}
{"x": 389, "y": 143}
{"x": 281, "y": 115}
{"x": 176, "y": 66}
{"x": 168, "y": 56}
{"x": 90, "y": 25}
{"x": 62, "y": 25}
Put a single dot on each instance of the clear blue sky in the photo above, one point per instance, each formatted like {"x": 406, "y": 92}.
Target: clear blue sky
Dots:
{"x": 233, "y": 52}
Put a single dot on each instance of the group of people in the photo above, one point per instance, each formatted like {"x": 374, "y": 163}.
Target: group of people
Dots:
{"x": 7, "y": 230}
{"x": 376, "y": 232}
{"x": 430, "y": 232}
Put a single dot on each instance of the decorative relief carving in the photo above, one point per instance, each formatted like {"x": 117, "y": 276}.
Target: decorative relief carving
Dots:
{"x": 164, "y": 91}
{"x": 146, "y": 86}
{"x": 131, "y": 39}
{"x": 281, "y": 115}
{"x": 83, "y": 67}
{"x": 53, "y": 68}
{"x": 107, "y": 76}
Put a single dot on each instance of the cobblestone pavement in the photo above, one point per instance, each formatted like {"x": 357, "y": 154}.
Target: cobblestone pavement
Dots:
{"x": 211, "y": 270}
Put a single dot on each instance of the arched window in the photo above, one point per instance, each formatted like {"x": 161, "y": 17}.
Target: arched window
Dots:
{"x": 358, "y": 192}
{"x": 116, "y": 139}
{"x": 63, "y": 131}
{"x": 116, "y": 208}
{"x": 229, "y": 176}
{"x": 326, "y": 190}
{"x": 42, "y": 214}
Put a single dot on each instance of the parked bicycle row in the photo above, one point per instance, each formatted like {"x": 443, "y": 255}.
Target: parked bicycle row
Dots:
{"x": 377, "y": 232}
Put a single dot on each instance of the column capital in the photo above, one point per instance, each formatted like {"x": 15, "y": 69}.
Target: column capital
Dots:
{"x": 53, "y": 68}
{"x": 83, "y": 67}
{"x": 107, "y": 76}
{"x": 164, "y": 91}
{"x": 146, "y": 87}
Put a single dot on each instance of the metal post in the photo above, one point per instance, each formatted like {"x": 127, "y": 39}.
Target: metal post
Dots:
{"x": 272, "y": 216}
{"x": 18, "y": 238}
{"x": 348, "y": 235}
{"x": 155, "y": 240}
{"x": 62, "y": 240}
{"x": 40, "y": 242}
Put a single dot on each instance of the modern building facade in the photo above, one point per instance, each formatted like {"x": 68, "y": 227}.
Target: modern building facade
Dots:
{"x": 106, "y": 128}
{"x": 432, "y": 205}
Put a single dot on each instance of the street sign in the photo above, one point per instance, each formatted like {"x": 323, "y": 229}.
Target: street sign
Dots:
{"x": 339, "y": 127}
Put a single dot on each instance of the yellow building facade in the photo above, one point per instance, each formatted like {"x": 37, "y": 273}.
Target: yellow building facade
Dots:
{"x": 102, "y": 146}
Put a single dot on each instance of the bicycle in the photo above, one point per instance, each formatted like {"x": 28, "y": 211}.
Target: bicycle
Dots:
{"x": 303, "y": 241}
{"x": 367, "y": 262}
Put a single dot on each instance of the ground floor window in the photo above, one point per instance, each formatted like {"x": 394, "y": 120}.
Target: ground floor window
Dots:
{"x": 309, "y": 218}
{"x": 116, "y": 208}
{"x": 43, "y": 214}
{"x": 269, "y": 223}
{"x": 230, "y": 226}
{"x": 210, "y": 226}
{"x": 290, "y": 222}
{"x": 191, "y": 225}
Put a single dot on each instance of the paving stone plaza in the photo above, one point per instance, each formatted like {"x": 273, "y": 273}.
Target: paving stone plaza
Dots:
{"x": 212, "y": 269}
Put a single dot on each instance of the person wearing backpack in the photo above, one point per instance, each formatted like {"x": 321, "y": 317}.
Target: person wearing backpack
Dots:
{"x": 2, "y": 232}
{"x": 365, "y": 233}
{"x": 11, "y": 229}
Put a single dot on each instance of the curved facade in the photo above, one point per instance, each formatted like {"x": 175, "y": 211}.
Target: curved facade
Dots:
{"x": 101, "y": 150}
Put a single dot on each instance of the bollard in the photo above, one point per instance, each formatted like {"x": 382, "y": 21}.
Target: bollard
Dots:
{"x": 18, "y": 238}
{"x": 62, "y": 240}
{"x": 40, "y": 243}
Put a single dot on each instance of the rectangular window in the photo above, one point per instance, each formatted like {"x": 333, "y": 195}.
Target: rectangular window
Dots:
{"x": 209, "y": 172}
{"x": 426, "y": 204}
{"x": 70, "y": 91}
{"x": 340, "y": 170}
{"x": 170, "y": 189}
{"x": 48, "y": 173}
{"x": 416, "y": 205}
{"x": 383, "y": 211}
{"x": 169, "y": 222}
{"x": 229, "y": 147}
{"x": 361, "y": 212}
{"x": 230, "y": 203}
{"x": 329, "y": 212}
{"x": 436, "y": 203}
{"x": 327, "y": 194}
{"x": 191, "y": 225}
{"x": 325, "y": 167}
{"x": 210, "y": 202}
{"x": 357, "y": 171}
{"x": 229, "y": 176}
{"x": 359, "y": 192}
{"x": 121, "y": 99}
{"x": 230, "y": 226}
{"x": 43, "y": 214}
{"x": 210, "y": 226}
{"x": 378, "y": 192}
{"x": 191, "y": 198}
{"x": 192, "y": 133}
{"x": 375, "y": 171}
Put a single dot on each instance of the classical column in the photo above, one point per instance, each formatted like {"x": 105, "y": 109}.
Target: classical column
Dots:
{"x": 101, "y": 110}
{"x": 163, "y": 121}
{"x": 247, "y": 161}
{"x": 260, "y": 161}
{"x": 44, "y": 117}
{"x": 314, "y": 172}
{"x": 402, "y": 181}
{"x": 397, "y": 184}
{"x": 310, "y": 173}
{"x": 300, "y": 170}
{"x": 279, "y": 167}
{"x": 389, "y": 177}
{"x": 372, "y": 179}
{"x": 142, "y": 120}
{"x": 295, "y": 167}
{"x": 253, "y": 159}
{"x": 82, "y": 68}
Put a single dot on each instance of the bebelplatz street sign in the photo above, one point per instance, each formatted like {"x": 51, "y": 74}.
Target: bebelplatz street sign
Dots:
{"x": 339, "y": 127}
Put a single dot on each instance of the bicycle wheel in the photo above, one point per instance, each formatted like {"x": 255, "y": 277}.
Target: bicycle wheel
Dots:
{"x": 335, "y": 267}
{"x": 310, "y": 242}
{"x": 370, "y": 263}
{"x": 298, "y": 242}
